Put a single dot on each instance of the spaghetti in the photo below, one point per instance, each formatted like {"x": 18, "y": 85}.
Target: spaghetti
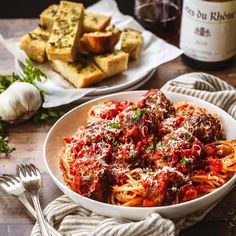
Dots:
{"x": 148, "y": 154}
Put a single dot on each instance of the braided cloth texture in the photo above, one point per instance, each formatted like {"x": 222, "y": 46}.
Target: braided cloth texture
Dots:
{"x": 70, "y": 219}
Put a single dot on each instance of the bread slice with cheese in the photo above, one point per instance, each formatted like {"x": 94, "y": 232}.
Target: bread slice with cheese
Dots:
{"x": 99, "y": 42}
{"x": 47, "y": 17}
{"x": 67, "y": 29}
{"x": 34, "y": 44}
{"x": 112, "y": 63}
{"x": 92, "y": 21}
{"x": 131, "y": 42}
{"x": 95, "y": 22}
{"x": 82, "y": 73}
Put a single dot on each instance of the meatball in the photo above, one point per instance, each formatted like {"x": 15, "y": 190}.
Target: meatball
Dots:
{"x": 93, "y": 178}
{"x": 181, "y": 150}
{"x": 162, "y": 188}
{"x": 205, "y": 127}
{"x": 155, "y": 101}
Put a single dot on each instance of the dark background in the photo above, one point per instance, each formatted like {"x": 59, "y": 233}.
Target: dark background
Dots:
{"x": 32, "y": 8}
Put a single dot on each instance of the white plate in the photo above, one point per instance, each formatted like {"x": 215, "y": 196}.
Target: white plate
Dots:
{"x": 133, "y": 87}
{"x": 93, "y": 95}
{"x": 69, "y": 124}
{"x": 111, "y": 85}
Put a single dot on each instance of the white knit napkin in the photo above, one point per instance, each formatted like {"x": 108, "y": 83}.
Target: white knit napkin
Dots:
{"x": 206, "y": 87}
{"x": 72, "y": 220}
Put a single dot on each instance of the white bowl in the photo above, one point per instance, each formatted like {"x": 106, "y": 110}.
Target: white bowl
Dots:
{"x": 68, "y": 124}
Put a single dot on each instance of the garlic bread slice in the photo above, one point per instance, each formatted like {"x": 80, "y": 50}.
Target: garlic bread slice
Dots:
{"x": 112, "y": 63}
{"x": 131, "y": 42}
{"x": 82, "y": 73}
{"x": 34, "y": 44}
{"x": 47, "y": 16}
{"x": 95, "y": 22}
{"x": 66, "y": 31}
{"x": 99, "y": 42}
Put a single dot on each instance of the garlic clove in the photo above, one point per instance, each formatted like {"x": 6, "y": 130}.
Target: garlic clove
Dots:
{"x": 19, "y": 102}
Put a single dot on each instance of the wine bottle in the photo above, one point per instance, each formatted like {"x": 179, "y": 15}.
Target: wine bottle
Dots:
{"x": 208, "y": 33}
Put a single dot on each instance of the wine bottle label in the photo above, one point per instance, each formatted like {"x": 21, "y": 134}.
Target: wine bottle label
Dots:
{"x": 208, "y": 30}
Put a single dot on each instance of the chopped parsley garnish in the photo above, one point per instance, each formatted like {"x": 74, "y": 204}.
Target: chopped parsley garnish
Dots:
{"x": 115, "y": 125}
{"x": 159, "y": 144}
{"x": 187, "y": 136}
{"x": 149, "y": 148}
{"x": 185, "y": 161}
{"x": 146, "y": 170}
{"x": 132, "y": 158}
{"x": 140, "y": 112}
{"x": 134, "y": 107}
{"x": 164, "y": 158}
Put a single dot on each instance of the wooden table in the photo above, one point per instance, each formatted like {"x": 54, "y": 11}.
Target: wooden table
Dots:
{"x": 28, "y": 141}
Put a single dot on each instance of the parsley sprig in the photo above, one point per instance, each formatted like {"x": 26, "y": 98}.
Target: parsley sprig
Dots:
{"x": 7, "y": 80}
{"x": 32, "y": 73}
{"x": 4, "y": 146}
{"x": 50, "y": 115}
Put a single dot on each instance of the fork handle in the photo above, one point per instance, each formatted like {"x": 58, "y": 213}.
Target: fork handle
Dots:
{"x": 42, "y": 223}
{"x": 29, "y": 207}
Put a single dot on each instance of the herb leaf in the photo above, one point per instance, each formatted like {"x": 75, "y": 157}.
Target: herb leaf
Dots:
{"x": 149, "y": 148}
{"x": 7, "y": 80}
{"x": 4, "y": 147}
{"x": 32, "y": 73}
{"x": 158, "y": 145}
{"x": 139, "y": 113}
{"x": 185, "y": 161}
{"x": 49, "y": 115}
{"x": 115, "y": 125}
{"x": 187, "y": 136}
{"x": 164, "y": 158}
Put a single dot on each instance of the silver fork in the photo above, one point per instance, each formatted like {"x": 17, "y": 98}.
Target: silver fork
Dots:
{"x": 12, "y": 185}
{"x": 32, "y": 181}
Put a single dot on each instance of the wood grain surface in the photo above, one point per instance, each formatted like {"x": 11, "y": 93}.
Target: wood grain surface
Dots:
{"x": 28, "y": 140}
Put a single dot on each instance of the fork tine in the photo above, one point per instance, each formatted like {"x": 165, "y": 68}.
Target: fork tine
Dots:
{"x": 3, "y": 181}
{"x": 35, "y": 169}
{"x": 12, "y": 177}
{"x": 9, "y": 179}
{"x": 28, "y": 169}
{"x": 21, "y": 171}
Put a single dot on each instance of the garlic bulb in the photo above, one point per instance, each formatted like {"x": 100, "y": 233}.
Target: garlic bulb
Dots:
{"x": 19, "y": 102}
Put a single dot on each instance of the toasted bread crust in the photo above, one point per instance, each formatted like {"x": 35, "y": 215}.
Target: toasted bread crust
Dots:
{"x": 112, "y": 63}
{"x": 131, "y": 42}
{"x": 34, "y": 44}
{"x": 95, "y": 22}
{"x": 47, "y": 17}
{"x": 99, "y": 42}
{"x": 66, "y": 31}
{"x": 82, "y": 73}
